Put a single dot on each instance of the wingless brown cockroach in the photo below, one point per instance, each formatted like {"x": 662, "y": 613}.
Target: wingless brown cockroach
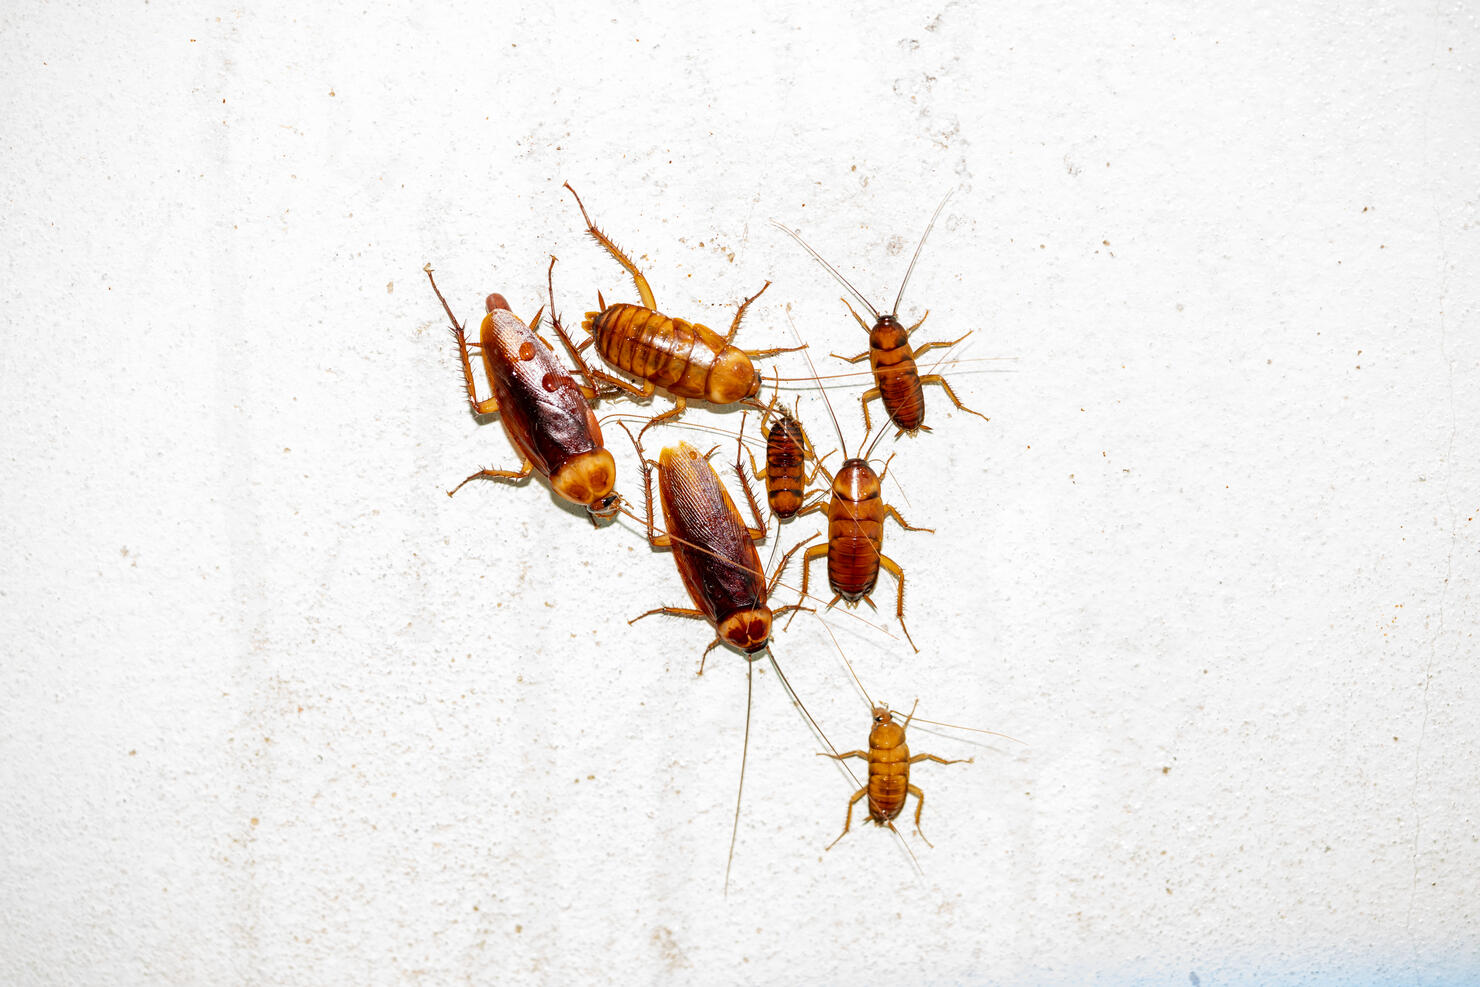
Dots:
{"x": 889, "y": 352}
{"x": 546, "y": 413}
{"x": 713, "y": 548}
{"x": 888, "y": 773}
{"x": 855, "y": 531}
{"x": 787, "y": 453}
{"x": 686, "y": 359}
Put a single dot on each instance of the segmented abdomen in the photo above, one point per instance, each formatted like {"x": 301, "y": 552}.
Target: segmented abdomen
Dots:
{"x": 651, "y": 346}
{"x": 855, "y": 531}
{"x": 893, "y": 362}
{"x": 784, "y": 461}
{"x": 888, "y": 784}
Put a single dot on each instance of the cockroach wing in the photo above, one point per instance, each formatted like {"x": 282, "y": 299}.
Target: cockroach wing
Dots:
{"x": 543, "y": 410}
{"x": 715, "y": 555}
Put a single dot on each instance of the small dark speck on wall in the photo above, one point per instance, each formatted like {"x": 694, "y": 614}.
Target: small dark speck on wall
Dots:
{"x": 1193, "y": 977}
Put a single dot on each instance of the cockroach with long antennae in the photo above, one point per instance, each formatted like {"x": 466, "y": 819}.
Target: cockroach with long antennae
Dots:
{"x": 685, "y": 359}
{"x": 546, "y": 413}
{"x": 889, "y": 763}
{"x": 787, "y": 453}
{"x": 855, "y": 530}
{"x": 890, "y": 354}
{"x": 713, "y": 548}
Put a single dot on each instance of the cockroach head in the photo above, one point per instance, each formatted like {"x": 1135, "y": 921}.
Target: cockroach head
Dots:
{"x": 605, "y": 508}
{"x": 882, "y": 715}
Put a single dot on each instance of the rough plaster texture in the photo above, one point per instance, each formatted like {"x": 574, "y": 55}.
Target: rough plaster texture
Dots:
{"x": 276, "y": 710}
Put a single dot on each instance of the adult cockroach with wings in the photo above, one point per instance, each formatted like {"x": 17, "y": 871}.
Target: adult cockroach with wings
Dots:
{"x": 546, "y": 413}
{"x": 713, "y": 548}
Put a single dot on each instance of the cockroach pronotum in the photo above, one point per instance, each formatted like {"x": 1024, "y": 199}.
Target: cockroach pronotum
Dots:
{"x": 888, "y": 773}
{"x": 713, "y": 548}
{"x": 890, "y": 353}
{"x": 546, "y": 413}
{"x": 686, "y": 359}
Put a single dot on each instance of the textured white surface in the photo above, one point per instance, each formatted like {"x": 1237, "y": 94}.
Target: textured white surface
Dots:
{"x": 276, "y": 710}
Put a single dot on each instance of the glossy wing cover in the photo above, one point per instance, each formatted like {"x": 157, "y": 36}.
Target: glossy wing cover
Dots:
{"x": 723, "y": 573}
{"x": 543, "y": 410}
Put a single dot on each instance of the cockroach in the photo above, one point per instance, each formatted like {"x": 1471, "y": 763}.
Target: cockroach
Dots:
{"x": 720, "y": 567}
{"x": 855, "y": 531}
{"x": 889, "y": 763}
{"x": 713, "y": 548}
{"x": 787, "y": 453}
{"x": 890, "y": 353}
{"x": 546, "y": 413}
{"x": 685, "y": 359}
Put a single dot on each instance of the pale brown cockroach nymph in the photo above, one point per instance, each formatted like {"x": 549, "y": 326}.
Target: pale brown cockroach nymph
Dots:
{"x": 890, "y": 354}
{"x": 889, "y": 763}
{"x": 685, "y": 359}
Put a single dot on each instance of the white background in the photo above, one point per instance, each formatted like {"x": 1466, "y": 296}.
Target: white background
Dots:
{"x": 276, "y": 710}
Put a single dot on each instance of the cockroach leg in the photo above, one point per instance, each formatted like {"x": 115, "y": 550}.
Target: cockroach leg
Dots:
{"x": 459, "y": 332}
{"x": 890, "y": 509}
{"x": 813, "y": 554}
{"x": 940, "y": 344}
{"x": 858, "y": 318}
{"x": 820, "y": 504}
{"x": 643, "y": 290}
{"x": 591, "y": 391}
{"x": 868, "y": 425}
{"x": 654, "y": 539}
{"x": 919, "y": 808}
{"x": 740, "y": 314}
{"x": 892, "y": 567}
{"x": 792, "y": 608}
{"x": 679, "y": 404}
{"x": 757, "y": 354}
{"x": 705, "y": 656}
{"x": 479, "y": 407}
{"x": 776, "y": 576}
{"x": 514, "y": 475}
{"x": 758, "y": 531}
{"x": 851, "y": 359}
{"x": 671, "y": 612}
{"x": 919, "y": 350}
{"x": 938, "y": 379}
{"x": 848, "y": 819}
{"x": 941, "y": 760}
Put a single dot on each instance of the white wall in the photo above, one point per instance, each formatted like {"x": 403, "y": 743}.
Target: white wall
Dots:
{"x": 276, "y": 710}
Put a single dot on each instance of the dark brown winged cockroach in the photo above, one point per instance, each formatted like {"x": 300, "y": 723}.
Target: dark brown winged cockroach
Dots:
{"x": 546, "y": 413}
{"x": 890, "y": 353}
{"x": 889, "y": 763}
{"x": 685, "y": 359}
{"x": 713, "y": 548}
